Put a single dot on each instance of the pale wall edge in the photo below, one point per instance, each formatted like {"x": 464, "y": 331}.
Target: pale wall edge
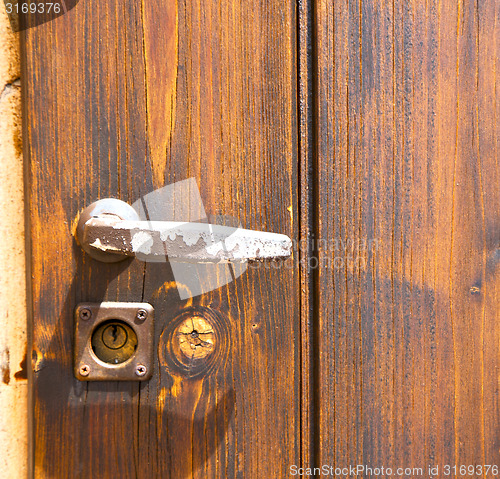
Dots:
{"x": 13, "y": 383}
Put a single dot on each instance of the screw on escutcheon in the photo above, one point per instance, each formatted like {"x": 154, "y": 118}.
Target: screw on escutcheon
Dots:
{"x": 84, "y": 370}
{"x": 85, "y": 314}
{"x": 141, "y": 370}
{"x": 141, "y": 315}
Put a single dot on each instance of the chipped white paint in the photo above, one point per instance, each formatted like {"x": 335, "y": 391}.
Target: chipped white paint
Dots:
{"x": 248, "y": 244}
{"x": 199, "y": 242}
{"x": 142, "y": 242}
{"x": 171, "y": 229}
{"x": 98, "y": 245}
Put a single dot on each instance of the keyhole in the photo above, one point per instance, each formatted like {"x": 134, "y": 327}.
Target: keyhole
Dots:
{"x": 114, "y": 336}
{"x": 114, "y": 342}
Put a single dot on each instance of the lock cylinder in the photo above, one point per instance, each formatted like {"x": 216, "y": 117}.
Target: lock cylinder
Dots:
{"x": 114, "y": 342}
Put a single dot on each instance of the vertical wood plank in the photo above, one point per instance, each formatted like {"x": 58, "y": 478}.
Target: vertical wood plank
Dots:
{"x": 409, "y": 233}
{"x": 119, "y": 100}
{"x": 304, "y": 250}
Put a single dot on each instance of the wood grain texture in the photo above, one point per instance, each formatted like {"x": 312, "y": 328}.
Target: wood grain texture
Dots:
{"x": 119, "y": 100}
{"x": 307, "y": 206}
{"x": 407, "y": 108}
{"x": 389, "y": 353}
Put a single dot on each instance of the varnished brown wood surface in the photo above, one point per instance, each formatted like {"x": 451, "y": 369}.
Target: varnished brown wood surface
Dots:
{"x": 392, "y": 359}
{"x": 121, "y": 98}
{"x": 406, "y": 131}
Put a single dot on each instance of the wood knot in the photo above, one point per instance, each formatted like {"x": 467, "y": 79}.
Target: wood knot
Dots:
{"x": 475, "y": 290}
{"x": 194, "y": 343}
{"x": 196, "y": 338}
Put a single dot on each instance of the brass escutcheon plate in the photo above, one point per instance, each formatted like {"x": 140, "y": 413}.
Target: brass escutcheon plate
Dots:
{"x": 114, "y": 341}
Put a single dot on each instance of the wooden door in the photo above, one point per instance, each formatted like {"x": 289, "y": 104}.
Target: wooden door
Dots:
{"x": 407, "y": 179}
{"x": 366, "y": 131}
{"x": 122, "y": 98}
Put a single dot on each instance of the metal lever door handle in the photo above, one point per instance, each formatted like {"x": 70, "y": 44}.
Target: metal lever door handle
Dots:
{"x": 110, "y": 230}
